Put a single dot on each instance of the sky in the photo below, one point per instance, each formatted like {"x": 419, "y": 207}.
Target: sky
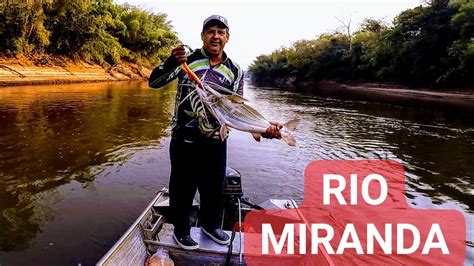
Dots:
{"x": 262, "y": 26}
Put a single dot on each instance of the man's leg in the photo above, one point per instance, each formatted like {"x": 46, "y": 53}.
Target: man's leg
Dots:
{"x": 182, "y": 188}
{"x": 211, "y": 189}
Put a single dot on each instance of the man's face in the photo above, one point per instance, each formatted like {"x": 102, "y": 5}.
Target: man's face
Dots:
{"x": 214, "y": 39}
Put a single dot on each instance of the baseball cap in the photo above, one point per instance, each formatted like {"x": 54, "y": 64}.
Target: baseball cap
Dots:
{"x": 218, "y": 18}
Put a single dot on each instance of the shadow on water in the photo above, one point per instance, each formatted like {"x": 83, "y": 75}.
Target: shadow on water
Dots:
{"x": 53, "y": 135}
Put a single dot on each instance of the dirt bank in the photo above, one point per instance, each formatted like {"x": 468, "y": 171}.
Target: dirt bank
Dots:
{"x": 21, "y": 71}
{"x": 389, "y": 92}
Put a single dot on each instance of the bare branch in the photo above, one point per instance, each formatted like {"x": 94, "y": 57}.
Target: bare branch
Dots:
{"x": 347, "y": 25}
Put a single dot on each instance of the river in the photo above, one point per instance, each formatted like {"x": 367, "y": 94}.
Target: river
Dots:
{"x": 79, "y": 162}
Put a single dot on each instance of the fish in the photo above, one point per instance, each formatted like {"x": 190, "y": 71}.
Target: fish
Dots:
{"x": 231, "y": 111}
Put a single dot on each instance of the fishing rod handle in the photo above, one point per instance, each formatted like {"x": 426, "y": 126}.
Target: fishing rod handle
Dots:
{"x": 190, "y": 73}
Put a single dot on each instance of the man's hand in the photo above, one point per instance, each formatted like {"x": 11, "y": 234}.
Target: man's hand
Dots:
{"x": 273, "y": 132}
{"x": 179, "y": 54}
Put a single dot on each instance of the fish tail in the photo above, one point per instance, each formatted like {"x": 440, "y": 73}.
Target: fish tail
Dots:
{"x": 290, "y": 126}
{"x": 289, "y": 139}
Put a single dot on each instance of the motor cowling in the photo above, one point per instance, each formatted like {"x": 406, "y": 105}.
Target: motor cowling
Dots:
{"x": 233, "y": 183}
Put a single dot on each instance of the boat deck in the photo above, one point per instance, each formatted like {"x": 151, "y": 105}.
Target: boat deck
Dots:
{"x": 165, "y": 238}
{"x": 152, "y": 231}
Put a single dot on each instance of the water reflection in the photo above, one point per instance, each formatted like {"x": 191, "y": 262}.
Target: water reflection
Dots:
{"x": 52, "y": 135}
{"x": 433, "y": 143}
{"x": 82, "y": 161}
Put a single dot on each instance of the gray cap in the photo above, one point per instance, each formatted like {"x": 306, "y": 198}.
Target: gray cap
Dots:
{"x": 219, "y": 18}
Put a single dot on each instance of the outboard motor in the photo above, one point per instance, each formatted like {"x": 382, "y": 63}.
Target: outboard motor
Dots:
{"x": 233, "y": 183}
{"x": 233, "y": 194}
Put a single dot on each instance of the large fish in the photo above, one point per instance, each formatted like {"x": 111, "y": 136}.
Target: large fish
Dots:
{"x": 231, "y": 111}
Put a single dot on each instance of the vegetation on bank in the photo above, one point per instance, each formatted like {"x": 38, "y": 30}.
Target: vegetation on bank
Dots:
{"x": 430, "y": 45}
{"x": 96, "y": 31}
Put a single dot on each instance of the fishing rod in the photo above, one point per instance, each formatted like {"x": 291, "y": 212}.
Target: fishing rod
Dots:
{"x": 191, "y": 74}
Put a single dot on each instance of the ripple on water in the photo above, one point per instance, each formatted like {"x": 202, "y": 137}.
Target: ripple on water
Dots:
{"x": 112, "y": 141}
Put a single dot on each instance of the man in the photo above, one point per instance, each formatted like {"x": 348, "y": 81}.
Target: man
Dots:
{"x": 198, "y": 155}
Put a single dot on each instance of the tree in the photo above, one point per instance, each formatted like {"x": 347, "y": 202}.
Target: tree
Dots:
{"x": 429, "y": 45}
{"x": 346, "y": 23}
{"x": 22, "y": 28}
{"x": 98, "y": 31}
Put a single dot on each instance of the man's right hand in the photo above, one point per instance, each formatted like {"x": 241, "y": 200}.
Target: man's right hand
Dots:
{"x": 179, "y": 54}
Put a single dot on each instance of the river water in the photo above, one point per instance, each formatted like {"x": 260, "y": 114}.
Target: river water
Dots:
{"x": 79, "y": 162}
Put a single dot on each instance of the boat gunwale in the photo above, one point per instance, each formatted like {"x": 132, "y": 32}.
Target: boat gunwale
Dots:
{"x": 135, "y": 224}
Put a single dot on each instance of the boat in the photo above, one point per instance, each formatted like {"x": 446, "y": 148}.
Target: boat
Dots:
{"x": 152, "y": 231}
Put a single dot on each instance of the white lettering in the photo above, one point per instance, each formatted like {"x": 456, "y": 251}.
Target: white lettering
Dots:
{"x": 302, "y": 238}
{"x": 383, "y": 189}
{"x": 316, "y": 240}
{"x": 435, "y": 230}
{"x": 336, "y": 191}
{"x": 350, "y": 231}
{"x": 408, "y": 239}
{"x": 288, "y": 235}
{"x": 401, "y": 249}
{"x": 353, "y": 189}
{"x": 373, "y": 233}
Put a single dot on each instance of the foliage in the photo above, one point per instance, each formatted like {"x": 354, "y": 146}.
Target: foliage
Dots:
{"x": 431, "y": 45}
{"x": 22, "y": 27}
{"x": 98, "y": 31}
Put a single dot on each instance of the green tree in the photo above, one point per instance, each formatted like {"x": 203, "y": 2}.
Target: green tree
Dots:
{"x": 147, "y": 35}
{"x": 429, "y": 45}
{"x": 369, "y": 49}
{"x": 22, "y": 28}
{"x": 98, "y": 31}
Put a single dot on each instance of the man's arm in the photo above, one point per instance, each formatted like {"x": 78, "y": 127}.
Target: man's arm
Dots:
{"x": 169, "y": 70}
{"x": 163, "y": 74}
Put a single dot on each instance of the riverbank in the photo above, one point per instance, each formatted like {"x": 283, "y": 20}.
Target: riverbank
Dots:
{"x": 22, "y": 71}
{"x": 381, "y": 92}
{"x": 394, "y": 92}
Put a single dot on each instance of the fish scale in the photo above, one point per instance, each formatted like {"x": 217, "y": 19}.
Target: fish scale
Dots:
{"x": 238, "y": 115}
